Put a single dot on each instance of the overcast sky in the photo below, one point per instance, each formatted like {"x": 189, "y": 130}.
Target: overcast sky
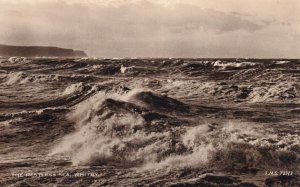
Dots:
{"x": 156, "y": 28}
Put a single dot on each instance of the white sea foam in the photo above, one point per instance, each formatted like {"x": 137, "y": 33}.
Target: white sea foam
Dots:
{"x": 183, "y": 88}
{"x": 88, "y": 142}
{"x": 219, "y": 63}
{"x": 15, "y": 60}
{"x": 283, "y": 90}
{"x": 205, "y": 146}
{"x": 16, "y": 78}
{"x": 39, "y": 112}
{"x": 21, "y": 77}
{"x": 8, "y": 123}
{"x": 73, "y": 88}
{"x": 124, "y": 69}
{"x": 202, "y": 144}
{"x": 282, "y": 62}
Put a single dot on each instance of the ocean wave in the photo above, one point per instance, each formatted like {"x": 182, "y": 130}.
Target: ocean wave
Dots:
{"x": 17, "y": 116}
{"x": 227, "y": 65}
{"x": 111, "y": 125}
{"x": 21, "y": 77}
{"x": 16, "y": 78}
{"x": 252, "y": 92}
{"x": 159, "y": 102}
{"x": 14, "y": 60}
{"x": 233, "y": 144}
{"x": 282, "y": 62}
{"x": 17, "y": 60}
{"x": 272, "y": 93}
{"x": 160, "y": 122}
{"x": 130, "y": 130}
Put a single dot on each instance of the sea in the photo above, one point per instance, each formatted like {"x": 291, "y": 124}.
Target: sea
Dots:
{"x": 149, "y": 122}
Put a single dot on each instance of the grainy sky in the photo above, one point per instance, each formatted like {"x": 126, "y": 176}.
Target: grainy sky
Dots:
{"x": 156, "y": 28}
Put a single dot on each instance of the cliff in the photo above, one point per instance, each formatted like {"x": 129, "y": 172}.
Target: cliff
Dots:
{"x": 39, "y": 51}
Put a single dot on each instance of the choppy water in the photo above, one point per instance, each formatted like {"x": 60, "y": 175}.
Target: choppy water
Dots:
{"x": 159, "y": 122}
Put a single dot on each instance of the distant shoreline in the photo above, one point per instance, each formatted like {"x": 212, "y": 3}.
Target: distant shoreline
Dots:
{"x": 39, "y": 51}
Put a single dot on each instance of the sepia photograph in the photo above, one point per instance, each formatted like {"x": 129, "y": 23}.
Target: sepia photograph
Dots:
{"x": 171, "y": 93}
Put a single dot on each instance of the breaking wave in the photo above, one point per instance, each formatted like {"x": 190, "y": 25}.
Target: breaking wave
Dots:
{"x": 285, "y": 90}
{"x": 130, "y": 129}
{"x": 232, "y": 144}
{"x": 23, "y": 78}
{"x": 226, "y": 65}
{"x": 15, "y": 60}
{"x": 73, "y": 88}
{"x": 280, "y": 91}
{"x": 16, "y": 78}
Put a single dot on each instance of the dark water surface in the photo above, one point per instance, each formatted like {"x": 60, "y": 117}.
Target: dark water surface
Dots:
{"x": 153, "y": 122}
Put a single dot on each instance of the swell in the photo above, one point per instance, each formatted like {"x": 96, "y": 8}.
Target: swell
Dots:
{"x": 66, "y": 101}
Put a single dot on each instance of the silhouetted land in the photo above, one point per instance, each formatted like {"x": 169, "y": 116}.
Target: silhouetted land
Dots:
{"x": 39, "y": 51}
